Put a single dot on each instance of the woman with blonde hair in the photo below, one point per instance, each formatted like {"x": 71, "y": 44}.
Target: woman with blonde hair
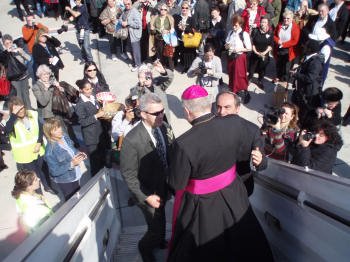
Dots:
{"x": 45, "y": 53}
{"x": 32, "y": 207}
{"x": 62, "y": 158}
{"x": 281, "y": 135}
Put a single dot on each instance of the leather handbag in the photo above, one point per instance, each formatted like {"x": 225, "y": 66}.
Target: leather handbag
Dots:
{"x": 192, "y": 40}
{"x": 168, "y": 51}
{"x": 122, "y": 33}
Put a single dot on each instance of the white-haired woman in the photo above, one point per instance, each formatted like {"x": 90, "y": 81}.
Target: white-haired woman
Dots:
{"x": 43, "y": 91}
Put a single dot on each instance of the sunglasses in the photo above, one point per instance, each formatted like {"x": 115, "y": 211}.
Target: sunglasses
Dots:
{"x": 163, "y": 9}
{"x": 161, "y": 112}
{"x": 92, "y": 70}
{"x": 184, "y": 7}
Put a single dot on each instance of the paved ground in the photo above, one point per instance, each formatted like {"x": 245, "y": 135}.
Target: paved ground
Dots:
{"x": 120, "y": 78}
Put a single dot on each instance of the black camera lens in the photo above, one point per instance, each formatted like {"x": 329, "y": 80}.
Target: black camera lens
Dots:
{"x": 308, "y": 136}
{"x": 64, "y": 28}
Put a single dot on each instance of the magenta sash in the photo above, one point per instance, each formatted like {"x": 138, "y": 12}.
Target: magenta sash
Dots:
{"x": 202, "y": 187}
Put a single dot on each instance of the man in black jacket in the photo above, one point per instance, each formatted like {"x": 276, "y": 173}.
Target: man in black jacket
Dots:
{"x": 340, "y": 15}
{"x": 317, "y": 21}
{"x": 144, "y": 166}
{"x": 309, "y": 80}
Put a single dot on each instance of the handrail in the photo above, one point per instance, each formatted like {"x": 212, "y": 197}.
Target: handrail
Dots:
{"x": 307, "y": 199}
{"x": 25, "y": 249}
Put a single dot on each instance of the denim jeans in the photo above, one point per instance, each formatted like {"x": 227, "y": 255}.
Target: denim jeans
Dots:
{"x": 85, "y": 46}
{"x": 40, "y": 8}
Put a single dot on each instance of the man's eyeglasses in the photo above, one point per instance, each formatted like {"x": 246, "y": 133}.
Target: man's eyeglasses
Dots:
{"x": 92, "y": 70}
{"x": 156, "y": 113}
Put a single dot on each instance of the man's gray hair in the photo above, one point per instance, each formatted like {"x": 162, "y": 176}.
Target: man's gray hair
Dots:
{"x": 6, "y": 37}
{"x": 147, "y": 99}
{"x": 198, "y": 105}
{"x": 42, "y": 69}
{"x": 235, "y": 96}
{"x": 145, "y": 69}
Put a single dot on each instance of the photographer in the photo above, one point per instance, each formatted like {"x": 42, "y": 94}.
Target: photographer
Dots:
{"x": 81, "y": 16}
{"x": 331, "y": 108}
{"x": 30, "y": 30}
{"x": 125, "y": 120}
{"x": 208, "y": 71}
{"x": 280, "y": 129}
{"x": 308, "y": 78}
{"x": 317, "y": 148}
{"x": 156, "y": 85}
{"x": 14, "y": 60}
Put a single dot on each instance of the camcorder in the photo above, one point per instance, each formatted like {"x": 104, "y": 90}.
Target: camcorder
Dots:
{"x": 270, "y": 117}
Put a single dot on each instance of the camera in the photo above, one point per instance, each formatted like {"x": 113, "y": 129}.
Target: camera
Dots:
{"x": 270, "y": 117}
{"x": 64, "y": 28}
{"x": 132, "y": 102}
{"x": 308, "y": 136}
{"x": 202, "y": 68}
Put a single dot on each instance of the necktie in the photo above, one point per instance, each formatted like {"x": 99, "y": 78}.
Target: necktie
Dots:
{"x": 160, "y": 147}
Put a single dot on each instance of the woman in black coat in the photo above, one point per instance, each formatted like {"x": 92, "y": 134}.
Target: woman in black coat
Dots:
{"x": 45, "y": 53}
{"x": 319, "y": 151}
{"x": 95, "y": 77}
{"x": 95, "y": 135}
{"x": 184, "y": 24}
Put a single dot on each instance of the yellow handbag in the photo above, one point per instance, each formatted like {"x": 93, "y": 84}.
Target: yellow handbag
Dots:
{"x": 192, "y": 40}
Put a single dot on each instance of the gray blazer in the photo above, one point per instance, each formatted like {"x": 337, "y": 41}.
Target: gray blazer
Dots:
{"x": 44, "y": 99}
{"x": 140, "y": 164}
{"x": 134, "y": 25}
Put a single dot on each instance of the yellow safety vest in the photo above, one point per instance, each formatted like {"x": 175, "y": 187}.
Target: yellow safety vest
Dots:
{"x": 23, "y": 141}
{"x": 33, "y": 210}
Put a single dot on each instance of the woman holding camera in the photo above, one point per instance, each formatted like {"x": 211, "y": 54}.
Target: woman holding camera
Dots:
{"x": 318, "y": 147}
{"x": 208, "y": 71}
{"x": 280, "y": 136}
{"x": 62, "y": 158}
{"x": 95, "y": 77}
{"x": 43, "y": 91}
{"x": 45, "y": 53}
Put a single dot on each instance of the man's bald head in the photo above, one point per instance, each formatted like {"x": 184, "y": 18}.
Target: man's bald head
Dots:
{"x": 227, "y": 103}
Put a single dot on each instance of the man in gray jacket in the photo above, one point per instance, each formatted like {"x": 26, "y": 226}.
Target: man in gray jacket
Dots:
{"x": 134, "y": 24}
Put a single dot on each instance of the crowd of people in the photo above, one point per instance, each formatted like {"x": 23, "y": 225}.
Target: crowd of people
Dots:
{"x": 193, "y": 37}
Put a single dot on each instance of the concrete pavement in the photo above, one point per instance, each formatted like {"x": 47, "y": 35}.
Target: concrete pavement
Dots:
{"x": 121, "y": 79}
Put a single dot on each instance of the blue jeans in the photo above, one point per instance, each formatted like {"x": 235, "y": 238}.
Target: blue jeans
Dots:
{"x": 40, "y": 8}
{"x": 85, "y": 46}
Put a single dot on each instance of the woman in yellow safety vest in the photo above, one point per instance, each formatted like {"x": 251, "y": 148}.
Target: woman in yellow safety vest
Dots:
{"x": 32, "y": 207}
{"x": 26, "y": 139}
